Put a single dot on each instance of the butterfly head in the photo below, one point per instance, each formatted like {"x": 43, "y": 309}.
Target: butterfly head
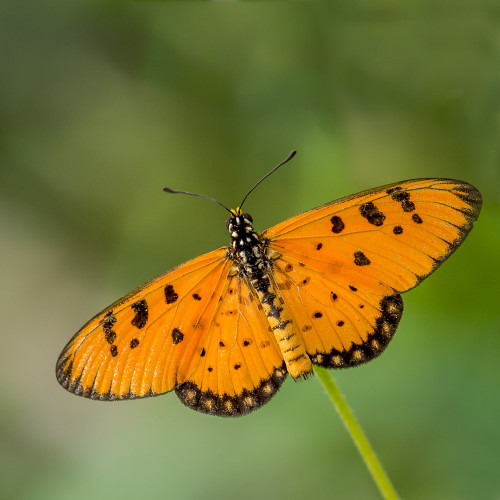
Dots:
{"x": 239, "y": 222}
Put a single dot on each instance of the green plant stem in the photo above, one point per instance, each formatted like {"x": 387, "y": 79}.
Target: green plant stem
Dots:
{"x": 374, "y": 466}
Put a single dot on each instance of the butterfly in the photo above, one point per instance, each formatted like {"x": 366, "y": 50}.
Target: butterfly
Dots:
{"x": 322, "y": 288}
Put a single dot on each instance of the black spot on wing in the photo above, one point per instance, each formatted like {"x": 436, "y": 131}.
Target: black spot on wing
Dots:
{"x": 170, "y": 294}
{"x": 108, "y": 321}
{"x": 110, "y": 336}
{"x": 408, "y": 206}
{"x": 196, "y": 296}
{"x": 372, "y": 214}
{"x": 416, "y": 218}
{"x": 360, "y": 259}
{"x": 141, "y": 313}
{"x": 398, "y": 229}
{"x": 337, "y": 224}
{"x": 107, "y": 325}
{"x": 400, "y": 195}
{"x": 177, "y": 336}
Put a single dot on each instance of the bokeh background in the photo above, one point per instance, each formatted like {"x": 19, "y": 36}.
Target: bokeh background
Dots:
{"x": 101, "y": 105}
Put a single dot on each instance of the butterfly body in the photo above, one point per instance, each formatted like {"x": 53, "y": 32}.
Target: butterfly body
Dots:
{"x": 324, "y": 287}
{"x": 250, "y": 252}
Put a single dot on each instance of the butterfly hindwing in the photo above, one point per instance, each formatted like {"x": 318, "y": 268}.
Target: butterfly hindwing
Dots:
{"x": 240, "y": 366}
{"x": 340, "y": 324}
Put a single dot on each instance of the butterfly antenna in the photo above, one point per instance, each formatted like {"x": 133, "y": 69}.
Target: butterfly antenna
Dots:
{"x": 287, "y": 159}
{"x": 168, "y": 190}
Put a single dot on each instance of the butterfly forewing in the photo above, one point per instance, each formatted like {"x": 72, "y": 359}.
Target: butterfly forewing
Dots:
{"x": 394, "y": 235}
{"x": 145, "y": 343}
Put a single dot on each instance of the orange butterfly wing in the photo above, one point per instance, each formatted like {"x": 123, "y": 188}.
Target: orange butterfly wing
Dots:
{"x": 242, "y": 366}
{"x": 340, "y": 267}
{"x": 149, "y": 341}
{"x": 196, "y": 329}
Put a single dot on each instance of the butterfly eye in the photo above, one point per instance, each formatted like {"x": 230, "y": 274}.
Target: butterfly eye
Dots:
{"x": 248, "y": 217}
{"x": 229, "y": 222}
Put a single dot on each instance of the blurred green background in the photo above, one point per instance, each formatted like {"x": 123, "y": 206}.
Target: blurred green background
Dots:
{"x": 102, "y": 104}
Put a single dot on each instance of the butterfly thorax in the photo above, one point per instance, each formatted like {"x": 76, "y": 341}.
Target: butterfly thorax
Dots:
{"x": 248, "y": 251}
{"x": 247, "y": 248}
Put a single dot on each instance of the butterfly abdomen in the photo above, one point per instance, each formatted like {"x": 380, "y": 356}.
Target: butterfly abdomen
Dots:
{"x": 248, "y": 251}
{"x": 281, "y": 323}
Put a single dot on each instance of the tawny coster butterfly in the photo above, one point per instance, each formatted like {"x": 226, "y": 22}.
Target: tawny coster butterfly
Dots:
{"x": 323, "y": 288}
